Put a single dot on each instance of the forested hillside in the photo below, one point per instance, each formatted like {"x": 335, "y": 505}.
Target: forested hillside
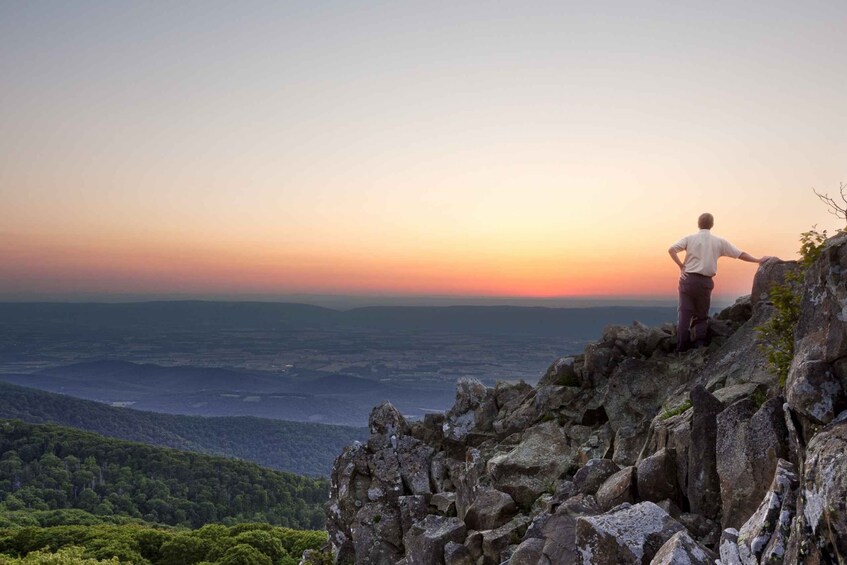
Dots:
{"x": 259, "y": 544}
{"x": 305, "y": 449}
{"x": 44, "y": 467}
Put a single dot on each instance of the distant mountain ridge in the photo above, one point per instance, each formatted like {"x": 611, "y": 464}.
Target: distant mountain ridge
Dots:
{"x": 531, "y": 320}
{"x": 302, "y": 448}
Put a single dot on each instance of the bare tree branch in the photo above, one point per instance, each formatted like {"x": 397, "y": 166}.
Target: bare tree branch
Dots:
{"x": 833, "y": 207}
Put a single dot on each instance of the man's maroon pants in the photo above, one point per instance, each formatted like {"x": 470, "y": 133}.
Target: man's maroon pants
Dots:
{"x": 695, "y": 294}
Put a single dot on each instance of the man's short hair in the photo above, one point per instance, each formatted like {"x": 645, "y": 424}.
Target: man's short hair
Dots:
{"x": 705, "y": 221}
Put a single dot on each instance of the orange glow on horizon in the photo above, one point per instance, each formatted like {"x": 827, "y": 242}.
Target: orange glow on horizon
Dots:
{"x": 125, "y": 267}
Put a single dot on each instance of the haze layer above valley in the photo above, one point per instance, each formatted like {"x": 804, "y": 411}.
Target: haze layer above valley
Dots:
{"x": 287, "y": 361}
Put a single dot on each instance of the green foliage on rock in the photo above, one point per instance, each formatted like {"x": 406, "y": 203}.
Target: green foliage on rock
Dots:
{"x": 671, "y": 412}
{"x": 778, "y": 333}
{"x": 46, "y": 468}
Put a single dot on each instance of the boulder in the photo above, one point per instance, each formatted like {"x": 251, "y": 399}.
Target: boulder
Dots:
{"x": 703, "y": 483}
{"x": 813, "y": 389}
{"x": 413, "y": 508}
{"x": 507, "y": 394}
{"x": 529, "y": 552}
{"x": 377, "y": 534}
{"x": 491, "y": 509}
{"x": 457, "y": 554}
{"x": 387, "y": 420}
{"x": 705, "y": 531}
{"x": 473, "y": 541}
{"x": 386, "y": 481}
{"x": 349, "y": 484}
{"x": 498, "y": 540}
{"x": 635, "y": 393}
{"x": 656, "y": 477}
{"x": 426, "y": 540}
{"x": 750, "y": 442}
{"x": 763, "y": 538}
{"x": 517, "y": 415}
{"x": 444, "y": 502}
{"x": 414, "y": 458}
{"x": 475, "y": 407}
{"x": 532, "y": 467}
{"x": 769, "y": 274}
{"x": 681, "y": 548}
{"x": 597, "y": 445}
{"x": 559, "y": 529}
{"x": 739, "y": 312}
{"x": 821, "y": 525}
{"x": 617, "y": 489}
{"x": 465, "y": 477}
{"x": 627, "y": 534}
{"x": 561, "y": 373}
{"x": 593, "y": 474}
{"x": 673, "y": 433}
{"x": 741, "y": 358}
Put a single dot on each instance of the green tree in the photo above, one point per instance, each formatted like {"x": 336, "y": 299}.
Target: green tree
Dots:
{"x": 244, "y": 554}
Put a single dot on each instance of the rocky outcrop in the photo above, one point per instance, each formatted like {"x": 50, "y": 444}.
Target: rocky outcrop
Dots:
{"x": 817, "y": 383}
{"x": 750, "y": 441}
{"x": 628, "y": 534}
{"x": 681, "y": 548}
{"x": 626, "y": 453}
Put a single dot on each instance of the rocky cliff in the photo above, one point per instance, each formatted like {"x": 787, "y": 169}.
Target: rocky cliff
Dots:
{"x": 627, "y": 453}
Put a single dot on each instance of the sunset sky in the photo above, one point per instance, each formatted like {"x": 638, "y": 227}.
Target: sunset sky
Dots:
{"x": 462, "y": 149}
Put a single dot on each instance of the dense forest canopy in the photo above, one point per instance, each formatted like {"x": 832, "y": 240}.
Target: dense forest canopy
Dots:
{"x": 47, "y": 467}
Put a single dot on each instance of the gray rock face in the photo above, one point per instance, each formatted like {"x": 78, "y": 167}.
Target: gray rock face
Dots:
{"x": 593, "y": 474}
{"x": 457, "y": 554}
{"x": 529, "y": 552}
{"x": 412, "y": 509}
{"x": 656, "y": 477}
{"x": 763, "y": 538}
{"x": 475, "y": 407}
{"x": 414, "y": 458}
{"x": 377, "y": 534}
{"x": 703, "y": 485}
{"x": 559, "y": 530}
{"x": 617, "y": 489}
{"x": 497, "y": 541}
{"x": 628, "y": 534}
{"x": 741, "y": 359}
{"x": 491, "y": 509}
{"x": 444, "y": 502}
{"x": 749, "y": 444}
{"x": 681, "y": 548}
{"x": 820, "y": 529}
{"x": 534, "y": 465}
{"x": 813, "y": 389}
{"x": 426, "y": 540}
{"x": 561, "y": 373}
{"x": 768, "y": 275}
{"x": 817, "y": 381}
{"x": 386, "y": 419}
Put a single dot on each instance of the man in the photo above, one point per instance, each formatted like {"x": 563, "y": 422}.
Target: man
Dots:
{"x": 702, "y": 251}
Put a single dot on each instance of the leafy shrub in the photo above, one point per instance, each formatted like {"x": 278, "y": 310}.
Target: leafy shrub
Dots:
{"x": 778, "y": 333}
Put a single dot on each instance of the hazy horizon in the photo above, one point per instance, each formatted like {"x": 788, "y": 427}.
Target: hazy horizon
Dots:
{"x": 342, "y": 302}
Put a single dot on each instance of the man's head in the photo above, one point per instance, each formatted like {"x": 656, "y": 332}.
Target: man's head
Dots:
{"x": 705, "y": 221}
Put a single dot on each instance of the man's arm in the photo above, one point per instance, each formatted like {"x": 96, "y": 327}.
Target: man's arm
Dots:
{"x": 750, "y": 259}
{"x": 675, "y": 256}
